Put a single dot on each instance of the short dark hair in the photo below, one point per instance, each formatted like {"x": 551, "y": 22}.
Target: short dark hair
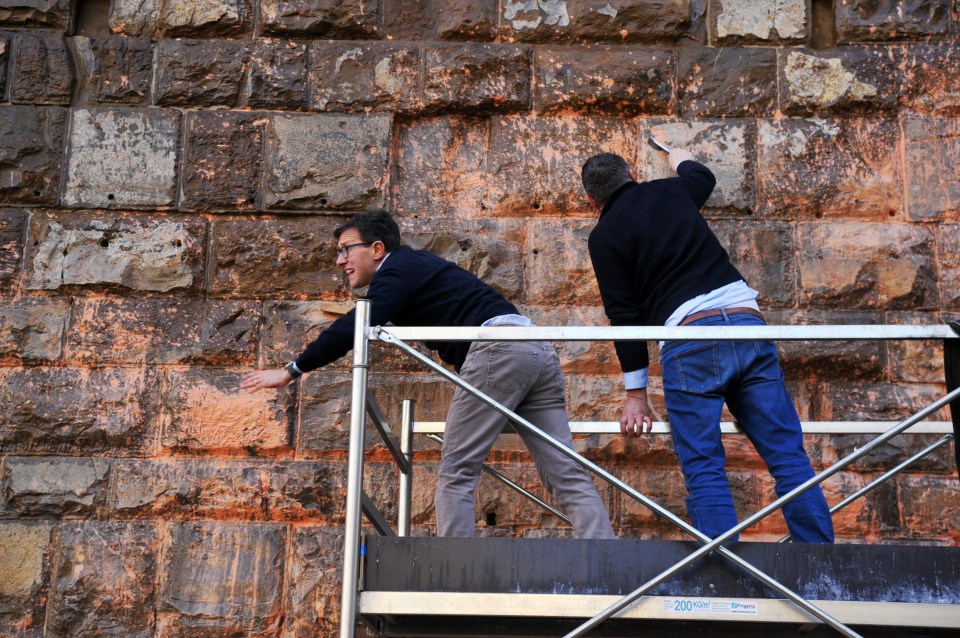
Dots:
{"x": 375, "y": 225}
{"x": 602, "y": 175}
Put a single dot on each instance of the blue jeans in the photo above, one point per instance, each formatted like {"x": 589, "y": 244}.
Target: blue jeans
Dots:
{"x": 698, "y": 377}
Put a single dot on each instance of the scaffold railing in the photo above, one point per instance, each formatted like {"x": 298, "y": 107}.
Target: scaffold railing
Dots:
{"x": 401, "y": 448}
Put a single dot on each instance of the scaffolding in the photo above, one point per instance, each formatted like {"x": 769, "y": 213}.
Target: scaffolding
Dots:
{"x": 640, "y": 601}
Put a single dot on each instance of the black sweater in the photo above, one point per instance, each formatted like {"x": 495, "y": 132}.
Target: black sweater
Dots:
{"x": 652, "y": 251}
{"x": 414, "y": 288}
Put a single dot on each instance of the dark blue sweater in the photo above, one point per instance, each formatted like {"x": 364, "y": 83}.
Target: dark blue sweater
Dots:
{"x": 415, "y": 288}
{"x": 652, "y": 251}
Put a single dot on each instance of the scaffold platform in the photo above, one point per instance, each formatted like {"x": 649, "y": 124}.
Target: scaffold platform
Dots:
{"x": 427, "y": 586}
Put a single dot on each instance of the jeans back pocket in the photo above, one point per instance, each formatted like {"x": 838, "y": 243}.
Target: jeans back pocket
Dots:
{"x": 692, "y": 367}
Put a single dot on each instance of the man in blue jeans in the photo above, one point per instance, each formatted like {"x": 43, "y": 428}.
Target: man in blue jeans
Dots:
{"x": 416, "y": 288}
{"x": 658, "y": 263}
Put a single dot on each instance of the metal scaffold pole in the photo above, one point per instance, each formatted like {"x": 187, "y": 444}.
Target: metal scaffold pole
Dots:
{"x": 358, "y": 411}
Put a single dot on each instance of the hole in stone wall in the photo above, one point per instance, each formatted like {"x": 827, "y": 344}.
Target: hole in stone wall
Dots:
{"x": 105, "y": 243}
{"x": 93, "y": 18}
{"x": 323, "y": 202}
{"x": 110, "y": 196}
{"x": 823, "y": 35}
{"x": 491, "y": 519}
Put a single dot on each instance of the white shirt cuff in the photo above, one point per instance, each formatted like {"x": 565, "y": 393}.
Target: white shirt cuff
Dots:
{"x": 635, "y": 380}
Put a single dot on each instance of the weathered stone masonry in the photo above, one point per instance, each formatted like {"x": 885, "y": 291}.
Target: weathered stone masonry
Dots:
{"x": 170, "y": 172}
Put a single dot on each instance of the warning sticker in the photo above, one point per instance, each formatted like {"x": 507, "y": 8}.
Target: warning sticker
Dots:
{"x": 710, "y": 606}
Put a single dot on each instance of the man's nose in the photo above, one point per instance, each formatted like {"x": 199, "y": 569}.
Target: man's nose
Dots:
{"x": 341, "y": 259}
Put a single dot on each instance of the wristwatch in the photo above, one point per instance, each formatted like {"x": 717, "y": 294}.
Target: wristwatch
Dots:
{"x": 293, "y": 370}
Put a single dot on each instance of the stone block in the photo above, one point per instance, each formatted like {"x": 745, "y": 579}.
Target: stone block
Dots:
{"x": 476, "y": 78}
{"x": 288, "y": 326}
{"x": 147, "y": 254}
{"x": 865, "y": 265}
{"x": 104, "y": 578}
{"x": 533, "y": 164}
{"x": 205, "y": 410}
{"x": 840, "y": 401}
{"x": 849, "y": 169}
{"x": 31, "y": 155}
{"x": 275, "y": 258}
{"x": 929, "y": 508}
{"x": 137, "y": 18}
{"x": 440, "y": 20}
{"x": 948, "y": 239}
{"x": 325, "y": 413}
{"x": 13, "y": 225}
{"x": 577, "y": 21}
{"x": 488, "y": 249}
{"x": 331, "y": 19}
{"x": 885, "y": 20}
{"x": 577, "y": 357}
{"x": 830, "y": 360}
{"x": 326, "y": 161}
{"x": 45, "y": 14}
{"x": 122, "y": 158}
{"x": 917, "y": 361}
{"x": 162, "y": 331}
{"x": 40, "y": 70}
{"x": 499, "y": 507}
{"x": 33, "y": 330}
{"x": 309, "y": 491}
{"x": 223, "y": 161}
{"x": 894, "y": 452}
{"x": 664, "y": 487}
{"x": 313, "y": 598}
{"x": 178, "y": 489}
{"x": 5, "y": 41}
{"x": 25, "y": 551}
{"x": 114, "y": 70}
{"x": 79, "y": 411}
{"x": 53, "y": 487}
{"x": 557, "y": 266}
{"x": 724, "y": 146}
{"x": 931, "y": 78}
{"x": 845, "y": 80}
{"x": 764, "y": 253}
{"x": 278, "y": 75}
{"x": 440, "y": 164}
{"x": 600, "y": 397}
{"x": 726, "y": 81}
{"x": 211, "y": 18}
{"x": 364, "y": 76}
{"x": 933, "y": 168}
{"x": 747, "y": 21}
{"x": 620, "y": 81}
{"x": 199, "y": 72}
{"x": 222, "y": 579}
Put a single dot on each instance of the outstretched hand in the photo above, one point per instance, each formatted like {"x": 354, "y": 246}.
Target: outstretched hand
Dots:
{"x": 255, "y": 381}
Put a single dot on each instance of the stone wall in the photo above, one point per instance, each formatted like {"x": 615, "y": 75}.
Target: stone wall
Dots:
{"x": 170, "y": 173}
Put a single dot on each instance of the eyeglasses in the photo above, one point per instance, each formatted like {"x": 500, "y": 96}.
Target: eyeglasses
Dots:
{"x": 344, "y": 251}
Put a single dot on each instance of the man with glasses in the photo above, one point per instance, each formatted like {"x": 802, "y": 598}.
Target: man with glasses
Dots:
{"x": 658, "y": 263}
{"x": 416, "y": 288}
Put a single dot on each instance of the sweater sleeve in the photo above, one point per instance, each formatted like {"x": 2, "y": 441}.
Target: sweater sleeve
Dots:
{"x": 619, "y": 302}
{"x": 388, "y": 293}
{"x": 698, "y": 181}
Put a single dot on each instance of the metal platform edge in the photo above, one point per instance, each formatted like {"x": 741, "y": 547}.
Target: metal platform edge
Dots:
{"x": 582, "y": 606}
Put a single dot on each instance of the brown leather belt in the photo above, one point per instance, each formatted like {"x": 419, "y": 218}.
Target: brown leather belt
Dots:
{"x": 703, "y": 314}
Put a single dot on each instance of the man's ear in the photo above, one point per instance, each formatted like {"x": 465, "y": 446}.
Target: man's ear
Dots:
{"x": 379, "y": 250}
{"x": 593, "y": 202}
